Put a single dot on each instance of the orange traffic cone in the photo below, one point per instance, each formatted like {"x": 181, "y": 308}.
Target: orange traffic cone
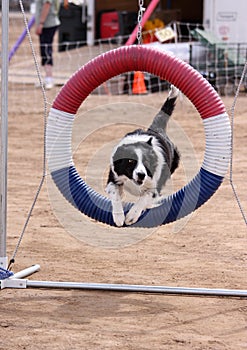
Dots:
{"x": 138, "y": 86}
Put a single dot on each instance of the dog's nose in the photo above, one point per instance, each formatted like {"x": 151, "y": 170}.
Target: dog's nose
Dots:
{"x": 141, "y": 176}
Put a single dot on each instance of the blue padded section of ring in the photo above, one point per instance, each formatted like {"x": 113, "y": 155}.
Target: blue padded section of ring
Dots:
{"x": 172, "y": 208}
{"x": 183, "y": 202}
{"x": 81, "y": 196}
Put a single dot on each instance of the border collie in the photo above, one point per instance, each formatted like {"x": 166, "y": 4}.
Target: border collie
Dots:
{"x": 147, "y": 159}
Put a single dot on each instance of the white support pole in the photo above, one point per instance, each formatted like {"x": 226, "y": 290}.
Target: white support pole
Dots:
{"x": 26, "y": 272}
{"x": 13, "y": 282}
{"x": 127, "y": 288}
{"x": 90, "y": 21}
{"x": 4, "y": 132}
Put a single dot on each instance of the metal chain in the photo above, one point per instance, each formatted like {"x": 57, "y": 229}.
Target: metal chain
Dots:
{"x": 139, "y": 21}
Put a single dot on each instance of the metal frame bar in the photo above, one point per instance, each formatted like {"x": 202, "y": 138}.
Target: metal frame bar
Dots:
{"x": 4, "y": 131}
{"x": 16, "y": 281}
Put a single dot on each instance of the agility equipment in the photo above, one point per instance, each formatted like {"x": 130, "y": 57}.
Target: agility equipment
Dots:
{"x": 5, "y": 273}
{"x": 142, "y": 18}
{"x": 18, "y": 280}
{"x": 138, "y": 85}
{"x": 21, "y": 38}
{"x": 167, "y": 67}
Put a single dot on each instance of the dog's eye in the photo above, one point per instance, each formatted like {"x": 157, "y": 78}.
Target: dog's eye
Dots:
{"x": 131, "y": 161}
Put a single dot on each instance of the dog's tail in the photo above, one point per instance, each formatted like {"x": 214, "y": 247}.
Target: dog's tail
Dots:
{"x": 161, "y": 119}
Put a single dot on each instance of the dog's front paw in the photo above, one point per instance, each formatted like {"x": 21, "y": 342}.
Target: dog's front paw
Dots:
{"x": 133, "y": 215}
{"x": 118, "y": 218}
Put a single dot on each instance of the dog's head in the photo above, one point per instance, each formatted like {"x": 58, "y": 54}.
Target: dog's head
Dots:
{"x": 135, "y": 161}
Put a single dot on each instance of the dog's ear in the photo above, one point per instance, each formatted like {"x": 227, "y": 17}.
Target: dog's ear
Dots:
{"x": 149, "y": 142}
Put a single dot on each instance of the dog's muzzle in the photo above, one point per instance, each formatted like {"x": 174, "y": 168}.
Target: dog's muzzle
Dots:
{"x": 140, "y": 178}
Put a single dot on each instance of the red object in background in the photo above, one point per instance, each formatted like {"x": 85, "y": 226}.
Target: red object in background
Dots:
{"x": 109, "y": 24}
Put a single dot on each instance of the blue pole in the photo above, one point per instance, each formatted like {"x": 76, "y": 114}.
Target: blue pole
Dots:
{"x": 21, "y": 38}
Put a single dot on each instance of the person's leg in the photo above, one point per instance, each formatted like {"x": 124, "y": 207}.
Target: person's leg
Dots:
{"x": 49, "y": 81}
{"x": 46, "y": 40}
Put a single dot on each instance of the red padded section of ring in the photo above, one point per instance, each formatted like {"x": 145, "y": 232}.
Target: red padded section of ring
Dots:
{"x": 135, "y": 58}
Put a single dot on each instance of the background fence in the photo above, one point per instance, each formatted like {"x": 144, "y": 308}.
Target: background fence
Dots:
{"x": 220, "y": 63}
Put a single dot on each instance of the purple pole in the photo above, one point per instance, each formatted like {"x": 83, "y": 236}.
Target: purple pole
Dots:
{"x": 21, "y": 38}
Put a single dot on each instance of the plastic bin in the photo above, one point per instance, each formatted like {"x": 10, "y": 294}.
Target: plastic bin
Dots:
{"x": 72, "y": 31}
{"x": 116, "y": 23}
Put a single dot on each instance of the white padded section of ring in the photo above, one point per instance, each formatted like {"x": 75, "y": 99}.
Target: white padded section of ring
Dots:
{"x": 218, "y": 144}
{"x": 58, "y": 139}
{"x": 217, "y": 133}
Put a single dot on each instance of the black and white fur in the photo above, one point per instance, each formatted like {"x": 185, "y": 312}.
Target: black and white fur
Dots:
{"x": 147, "y": 158}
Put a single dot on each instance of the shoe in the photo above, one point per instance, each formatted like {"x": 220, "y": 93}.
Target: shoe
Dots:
{"x": 37, "y": 85}
{"x": 49, "y": 83}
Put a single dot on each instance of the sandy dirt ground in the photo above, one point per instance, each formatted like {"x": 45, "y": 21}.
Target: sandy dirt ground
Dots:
{"x": 207, "y": 250}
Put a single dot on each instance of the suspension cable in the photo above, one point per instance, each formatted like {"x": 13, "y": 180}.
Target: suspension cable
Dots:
{"x": 45, "y": 115}
{"x": 232, "y": 111}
